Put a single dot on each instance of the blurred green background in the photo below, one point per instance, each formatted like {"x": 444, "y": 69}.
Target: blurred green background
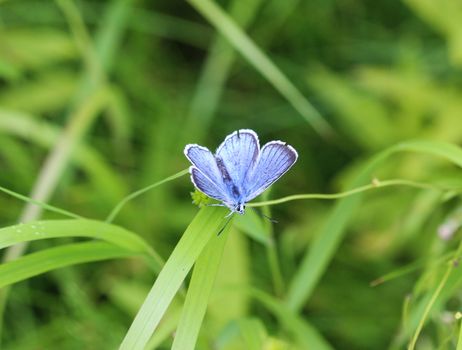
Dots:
{"x": 132, "y": 82}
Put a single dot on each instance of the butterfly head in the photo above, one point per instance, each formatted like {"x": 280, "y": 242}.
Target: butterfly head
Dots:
{"x": 240, "y": 208}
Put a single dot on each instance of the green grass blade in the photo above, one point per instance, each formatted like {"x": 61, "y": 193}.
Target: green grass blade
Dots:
{"x": 165, "y": 330}
{"x": 46, "y": 229}
{"x": 412, "y": 267}
{"x": 257, "y": 58}
{"x": 303, "y": 333}
{"x": 215, "y": 72}
{"x": 428, "y": 307}
{"x": 253, "y": 333}
{"x": 200, "y": 288}
{"x": 459, "y": 341}
{"x": 206, "y": 224}
{"x": 323, "y": 248}
{"x": 55, "y": 258}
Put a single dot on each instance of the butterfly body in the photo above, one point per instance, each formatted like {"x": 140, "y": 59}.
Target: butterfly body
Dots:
{"x": 239, "y": 170}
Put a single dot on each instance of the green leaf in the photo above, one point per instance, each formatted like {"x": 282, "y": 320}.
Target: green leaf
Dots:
{"x": 55, "y": 258}
{"x": 207, "y": 223}
{"x": 200, "y": 288}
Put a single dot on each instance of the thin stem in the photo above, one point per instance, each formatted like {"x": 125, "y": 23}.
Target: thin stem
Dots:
{"x": 40, "y": 204}
{"x": 459, "y": 341}
{"x": 435, "y": 296}
{"x": 272, "y": 255}
{"x": 135, "y": 194}
{"x": 374, "y": 185}
{"x": 82, "y": 38}
{"x": 436, "y": 262}
{"x": 429, "y": 307}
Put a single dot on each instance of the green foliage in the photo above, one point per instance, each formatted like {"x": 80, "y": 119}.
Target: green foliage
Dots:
{"x": 98, "y": 232}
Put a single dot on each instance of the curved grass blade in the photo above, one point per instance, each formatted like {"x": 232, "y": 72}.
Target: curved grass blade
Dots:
{"x": 256, "y": 57}
{"x": 323, "y": 248}
{"x": 54, "y": 258}
{"x": 303, "y": 333}
{"x": 200, "y": 288}
{"x": 452, "y": 265}
{"x": 46, "y": 229}
{"x": 207, "y": 223}
{"x": 88, "y": 102}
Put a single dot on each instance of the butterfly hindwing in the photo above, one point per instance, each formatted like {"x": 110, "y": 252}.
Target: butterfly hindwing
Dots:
{"x": 207, "y": 186}
{"x": 275, "y": 159}
{"x": 205, "y": 173}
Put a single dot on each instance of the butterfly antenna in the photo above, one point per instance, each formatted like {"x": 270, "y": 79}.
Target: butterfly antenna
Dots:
{"x": 238, "y": 134}
{"x": 265, "y": 216}
{"x": 226, "y": 223}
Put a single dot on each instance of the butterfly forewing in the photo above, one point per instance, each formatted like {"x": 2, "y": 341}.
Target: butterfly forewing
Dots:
{"x": 236, "y": 157}
{"x": 204, "y": 161}
{"x": 275, "y": 159}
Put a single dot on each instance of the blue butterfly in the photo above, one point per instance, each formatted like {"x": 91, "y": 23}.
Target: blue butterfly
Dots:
{"x": 239, "y": 171}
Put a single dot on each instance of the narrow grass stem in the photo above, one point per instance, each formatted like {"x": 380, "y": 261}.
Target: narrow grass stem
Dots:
{"x": 374, "y": 185}
{"x": 272, "y": 255}
{"x": 40, "y": 204}
{"x": 429, "y": 307}
{"x": 82, "y": 39}
{"x": 459, "y": 341}
{"x": 452, "y": 263}
{"x": 436, "y": 262}
{"x": 135, "y": 194}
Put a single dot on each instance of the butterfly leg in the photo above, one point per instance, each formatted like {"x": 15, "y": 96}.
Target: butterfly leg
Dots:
{"x": 216, "y": 205}
{"x": 229, "y": 216}
{"x": 265, "y": 216}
